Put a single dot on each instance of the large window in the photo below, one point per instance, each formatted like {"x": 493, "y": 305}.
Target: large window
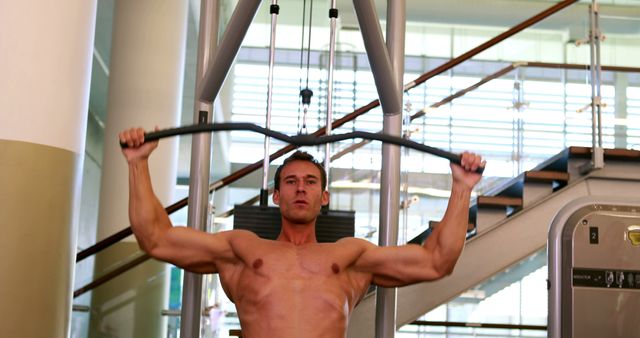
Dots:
{"x": 632, "y": 123}
{"x": 515, "y": 121}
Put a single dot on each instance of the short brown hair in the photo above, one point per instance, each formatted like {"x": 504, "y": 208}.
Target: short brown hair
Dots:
{"x": 300, "y": 156}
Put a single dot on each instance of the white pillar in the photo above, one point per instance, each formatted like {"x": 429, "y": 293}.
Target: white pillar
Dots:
{"x": 45, "y": 61}
{"x": 145, "y": 90}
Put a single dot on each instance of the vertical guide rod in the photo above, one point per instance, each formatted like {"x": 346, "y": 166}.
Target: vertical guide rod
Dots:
{"x": 264, "y": 192}
{"x": 598, "y": 36}
{"x": 198, "y": 212}
{"x": 596, "y": 99}
{"x": 333, "y": 16}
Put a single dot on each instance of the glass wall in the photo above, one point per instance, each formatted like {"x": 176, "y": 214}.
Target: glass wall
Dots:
{"x": 516, "y": 296}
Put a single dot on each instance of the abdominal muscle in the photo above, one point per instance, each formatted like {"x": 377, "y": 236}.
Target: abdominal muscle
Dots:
{"x": 294, "y": 311}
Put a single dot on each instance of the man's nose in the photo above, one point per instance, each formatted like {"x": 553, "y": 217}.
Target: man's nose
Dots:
{"x": 300, "y": 186}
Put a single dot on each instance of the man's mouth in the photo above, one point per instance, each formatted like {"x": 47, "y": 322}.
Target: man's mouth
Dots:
{"x": 300, "y": 202}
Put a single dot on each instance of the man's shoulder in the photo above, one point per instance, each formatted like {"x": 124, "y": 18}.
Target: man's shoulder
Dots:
{"x": 353, "y": 241}
{"x": 240, "y": 235}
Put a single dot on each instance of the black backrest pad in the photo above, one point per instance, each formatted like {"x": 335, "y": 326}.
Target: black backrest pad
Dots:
{"x": 266, "y": 222}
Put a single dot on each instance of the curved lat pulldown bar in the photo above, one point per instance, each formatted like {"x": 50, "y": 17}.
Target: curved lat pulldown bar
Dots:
{"x": 300, "y": 140}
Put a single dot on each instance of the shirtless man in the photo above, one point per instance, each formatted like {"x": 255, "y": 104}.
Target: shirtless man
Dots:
{"x": 294, "y": 286}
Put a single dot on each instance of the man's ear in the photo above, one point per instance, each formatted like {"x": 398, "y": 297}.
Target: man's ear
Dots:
{"x": 276, "y": 197}
{"x": 325, "y": 197}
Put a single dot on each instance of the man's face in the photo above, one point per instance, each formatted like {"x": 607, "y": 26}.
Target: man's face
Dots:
{"x": 301, "y": 193}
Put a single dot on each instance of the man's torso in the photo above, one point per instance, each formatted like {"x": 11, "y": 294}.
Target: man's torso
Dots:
{"x": 284, "y": 290}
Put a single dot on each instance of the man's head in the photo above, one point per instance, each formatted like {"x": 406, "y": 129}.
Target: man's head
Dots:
{"x": 300, "y": 156}
{"x": 299, "y": 188}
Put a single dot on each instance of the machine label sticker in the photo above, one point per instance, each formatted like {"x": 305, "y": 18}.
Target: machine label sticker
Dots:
{"x": 602, "y": 278}
{"x": 593, "y": 235}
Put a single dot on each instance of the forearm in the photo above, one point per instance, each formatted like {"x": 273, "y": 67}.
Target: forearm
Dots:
{"x": 148, "y": 217}
{"x": 447, "y": 239}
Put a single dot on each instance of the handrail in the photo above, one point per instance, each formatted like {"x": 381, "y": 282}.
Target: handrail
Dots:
{"x": 111, "y": 274}
{"x": 238, "y": 333}
{"x": 480, "y": 325}
{"x": 442, "y": 102}
{"x": 138, "y": 260}
{"x": 496, "y": 75}
{"x": 498, "y": 38}
{"x": 124, "y": 233}
{"x": 580, "y": 67}
{"x": 101, "y": 245}
{"x": 464, "y": 91}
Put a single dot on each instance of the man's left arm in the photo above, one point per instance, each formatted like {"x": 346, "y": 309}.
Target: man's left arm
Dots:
{"x": 436, "y": 258}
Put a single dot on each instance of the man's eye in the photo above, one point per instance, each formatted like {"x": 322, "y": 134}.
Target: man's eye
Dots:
{"x": 311, "y": 181}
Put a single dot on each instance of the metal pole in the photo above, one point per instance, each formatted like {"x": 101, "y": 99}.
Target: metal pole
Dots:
{"x": 378, "y": 56}
{"x": 386, "y": 298}
{"x": 596, "y": 140}
{"x": 227, "y": 50}
{"x": 191, "y": 311}
{"x": 264, "y": 191}
{"x": 333, "y": 16}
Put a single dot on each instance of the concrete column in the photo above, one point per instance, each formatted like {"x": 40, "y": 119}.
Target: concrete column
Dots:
{"x": 145, "y": 89}
{"x": 45, "y": 62}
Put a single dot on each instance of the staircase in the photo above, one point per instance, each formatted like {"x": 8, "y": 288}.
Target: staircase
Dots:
{"x": 510, "y": 223}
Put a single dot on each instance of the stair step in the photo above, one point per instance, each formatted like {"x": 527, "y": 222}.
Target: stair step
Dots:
{"x": 622, "y": 154}
{"x": 613, "y": 154}
{"x": 558, "y": 162}
{"x": 540, "y": 184}
{"x": 579, "y": 151}
{"x": 499, "y": 201}
{"x": 488, "y": 217}
{"x": 580, "y": 158}
{"x": 493, "y": 209}
{"x": 434, "y": 224}
{"x": 546, "y": 176}
{"x": 510, "y": 188}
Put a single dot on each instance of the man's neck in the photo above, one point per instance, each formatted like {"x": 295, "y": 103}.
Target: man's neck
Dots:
{"x": 297, "y": 234}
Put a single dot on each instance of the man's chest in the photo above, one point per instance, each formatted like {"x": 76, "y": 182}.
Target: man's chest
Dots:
{"x": 289, "y": 271}
{"x": 317, "y": 261}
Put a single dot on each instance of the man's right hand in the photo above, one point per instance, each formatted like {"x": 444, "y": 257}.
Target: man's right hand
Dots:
{"x": 137, "y": 149}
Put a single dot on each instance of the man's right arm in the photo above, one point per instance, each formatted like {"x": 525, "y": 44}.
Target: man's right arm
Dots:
{"x": 187, "y": 248}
